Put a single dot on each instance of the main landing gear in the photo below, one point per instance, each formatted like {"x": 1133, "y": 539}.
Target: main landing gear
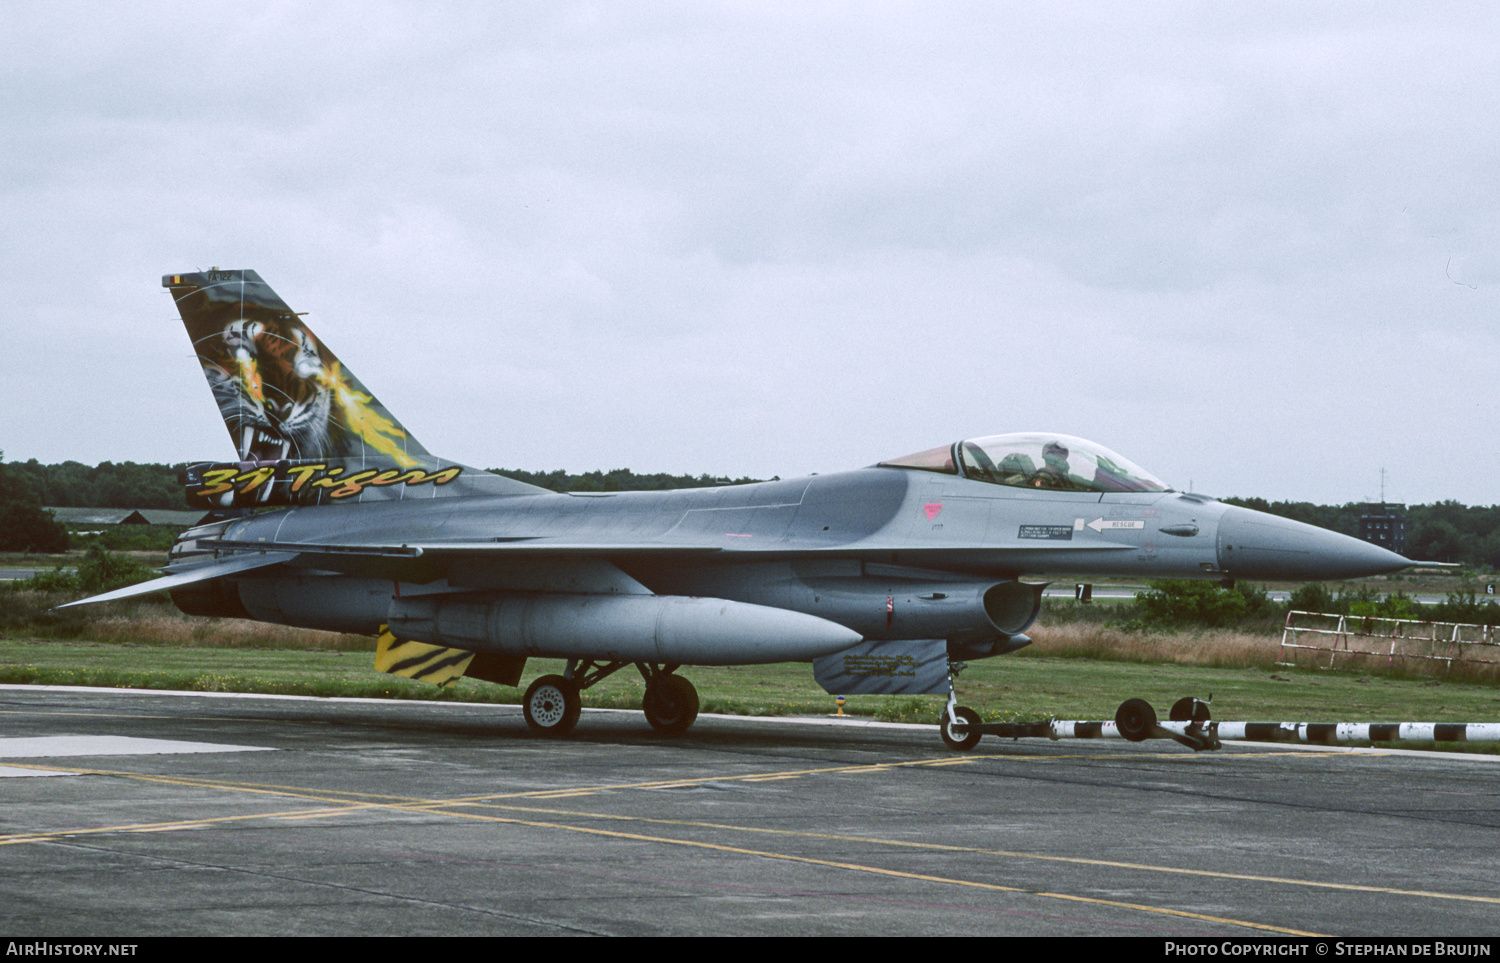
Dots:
{"x": 553, "y": 703}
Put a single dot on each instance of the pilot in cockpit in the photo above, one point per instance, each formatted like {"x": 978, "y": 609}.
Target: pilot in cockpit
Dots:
{"x": 1054, "y": 472}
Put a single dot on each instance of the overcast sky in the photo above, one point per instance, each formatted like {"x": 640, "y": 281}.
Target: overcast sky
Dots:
{"x": 1252, "y": 247}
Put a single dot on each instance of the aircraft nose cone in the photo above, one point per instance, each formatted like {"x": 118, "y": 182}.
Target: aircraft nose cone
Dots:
{"x": 1256, "y": 545}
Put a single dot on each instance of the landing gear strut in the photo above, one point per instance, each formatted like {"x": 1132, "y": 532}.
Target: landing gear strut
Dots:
{"x": 553, "y": 703}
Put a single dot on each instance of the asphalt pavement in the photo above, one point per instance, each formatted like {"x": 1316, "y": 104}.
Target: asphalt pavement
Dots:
{"x": 134, "y": 814}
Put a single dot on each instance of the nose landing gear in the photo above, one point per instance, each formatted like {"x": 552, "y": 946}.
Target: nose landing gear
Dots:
{"x": 959, "y": 725}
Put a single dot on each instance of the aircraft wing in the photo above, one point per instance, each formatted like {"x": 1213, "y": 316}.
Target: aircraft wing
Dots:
{"x": 187, "y": 576}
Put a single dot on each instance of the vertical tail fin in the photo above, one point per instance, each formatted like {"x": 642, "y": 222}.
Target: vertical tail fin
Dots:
{"x": 282, "y": 393}
{"x": 304, "y": 427}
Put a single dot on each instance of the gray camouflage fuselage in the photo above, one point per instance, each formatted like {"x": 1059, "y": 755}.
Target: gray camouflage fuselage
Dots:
{"x": 889, "y": 553}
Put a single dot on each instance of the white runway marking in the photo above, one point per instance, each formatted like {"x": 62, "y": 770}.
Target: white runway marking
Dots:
{"x": 48, "y": 746}
{"x": 18, "y": 771}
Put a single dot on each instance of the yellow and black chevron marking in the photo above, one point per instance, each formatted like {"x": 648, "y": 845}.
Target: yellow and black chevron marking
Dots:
{"x": 437, "y": 664}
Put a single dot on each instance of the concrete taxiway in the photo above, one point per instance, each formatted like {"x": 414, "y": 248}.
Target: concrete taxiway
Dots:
{"x": 137, "y": 814}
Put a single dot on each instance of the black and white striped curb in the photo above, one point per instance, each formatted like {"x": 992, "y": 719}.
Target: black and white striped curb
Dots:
{"x": 1319, "y": 733}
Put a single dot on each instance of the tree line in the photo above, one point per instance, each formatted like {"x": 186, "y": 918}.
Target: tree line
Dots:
{"x": 24, "y": 527}
{"x": 618, "y": 480}
{"x": 106, "y": 485}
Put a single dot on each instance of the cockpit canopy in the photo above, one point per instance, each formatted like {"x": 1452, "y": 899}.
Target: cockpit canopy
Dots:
{"x": 1035, "y": 460}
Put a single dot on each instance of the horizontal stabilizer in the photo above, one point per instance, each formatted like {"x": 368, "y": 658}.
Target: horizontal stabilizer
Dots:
{"x": 200, "y": 573}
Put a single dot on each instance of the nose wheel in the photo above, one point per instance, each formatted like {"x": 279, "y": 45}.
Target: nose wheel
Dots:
{"x": 960, "y": 728}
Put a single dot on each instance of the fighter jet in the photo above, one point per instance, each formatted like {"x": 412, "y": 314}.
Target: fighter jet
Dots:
{"x": 886, "y": 578}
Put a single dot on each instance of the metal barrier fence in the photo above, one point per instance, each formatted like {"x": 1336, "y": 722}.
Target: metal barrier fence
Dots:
{"x": 1372, "y": 638}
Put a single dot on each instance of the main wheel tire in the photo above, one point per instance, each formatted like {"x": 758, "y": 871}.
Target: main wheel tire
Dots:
{"x": 671, "y": 704}
{"x": 552, "y": 706}
{"x": 965, "y": 735}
